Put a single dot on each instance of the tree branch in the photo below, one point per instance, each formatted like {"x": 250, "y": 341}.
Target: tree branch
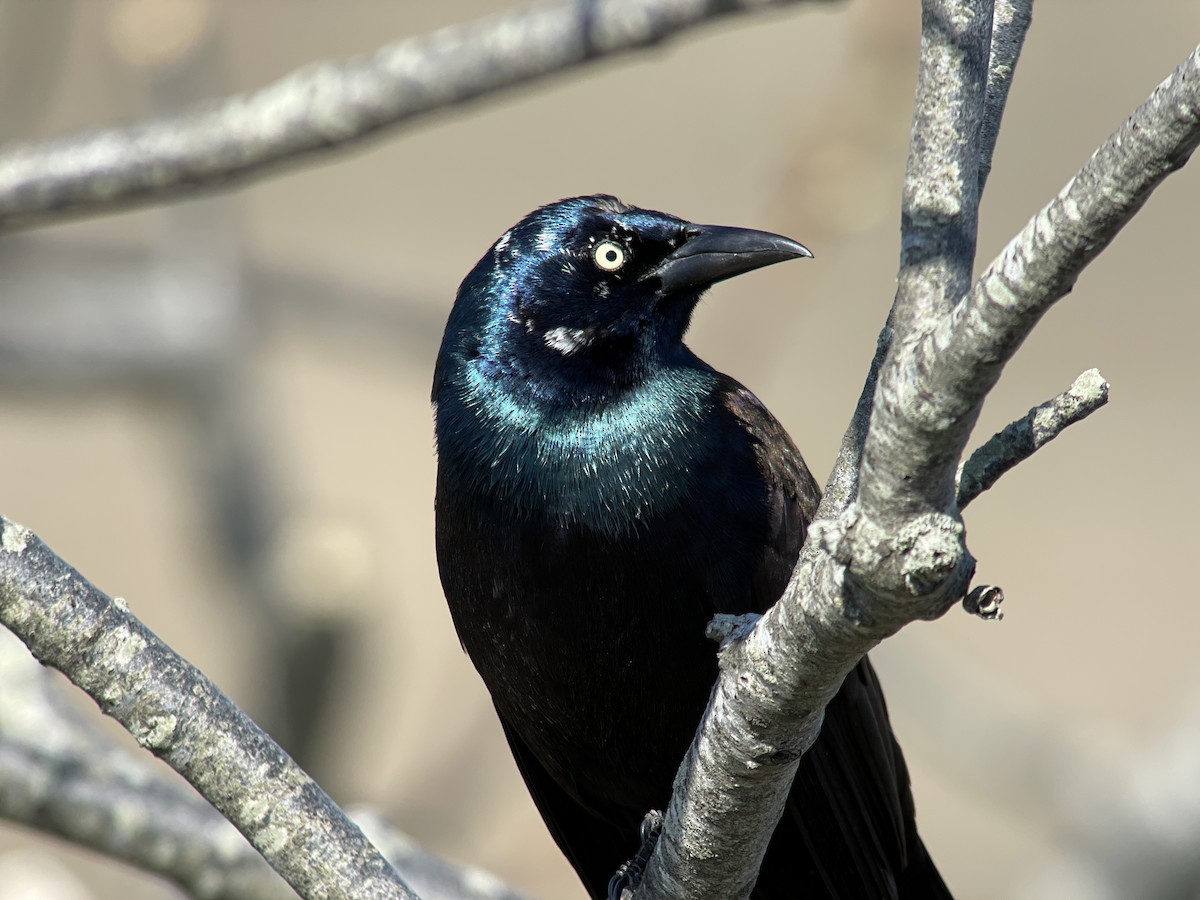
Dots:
{"x": 924, "y": 180}
{"x": 1021, "y": 439}
{"x": 959, "y": 361}
{"x": 908, "y": 462}
{"x": 331, "y": 105}
{"x": 940, "y": 205}
{"x": 769, "y": 701}
{"x": 896, "y": 552}
{"x": 174, "y": 711}
{"x": 1010, "y": 22}
{"x": 61, "y": 773}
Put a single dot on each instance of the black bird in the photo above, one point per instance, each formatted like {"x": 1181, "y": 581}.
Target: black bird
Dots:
{"x": 601, "y": 493}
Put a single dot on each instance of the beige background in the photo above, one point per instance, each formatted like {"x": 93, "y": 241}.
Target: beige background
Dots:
{"x": 794, "y": 122}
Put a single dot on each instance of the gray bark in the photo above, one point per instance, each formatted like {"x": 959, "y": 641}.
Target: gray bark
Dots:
{"x": 64, "y": 775}
{"x": 889, "y": 546}
{"x": 177, "y": 714}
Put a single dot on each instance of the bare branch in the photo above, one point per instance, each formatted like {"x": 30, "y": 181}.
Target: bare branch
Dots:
{"x": 907, "y": 469}
{"x": 142, "y": 822}
{"x": 331, "y": 105}
{"x": 174, "y": 711}
{"x": 953, "y": 367}
{"x": 1021, "y": 439}
{"x": 896, "y": 552}
{"x": 59, "y": 772}
{"x": 940, "y": 205}
{"x": 769, "y": 702}
{"x": 900, "y": 543}
{"x": 1010, "y": 22}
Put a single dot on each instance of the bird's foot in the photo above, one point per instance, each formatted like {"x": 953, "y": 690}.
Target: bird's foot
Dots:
{"x": 984, "y": 601}
{"x": 726, "y": 629}
{"x": 622, "y": 885}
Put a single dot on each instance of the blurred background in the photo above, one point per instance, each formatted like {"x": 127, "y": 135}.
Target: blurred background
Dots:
{"x": 219, "y": 409}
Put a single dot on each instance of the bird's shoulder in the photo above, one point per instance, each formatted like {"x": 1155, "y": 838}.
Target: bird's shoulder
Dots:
{"x": 791, "y": 494}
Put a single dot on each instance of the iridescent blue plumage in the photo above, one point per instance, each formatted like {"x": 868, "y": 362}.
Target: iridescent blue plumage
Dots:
{"x": 602, "y": 492}
{"x": 562, "y": 396}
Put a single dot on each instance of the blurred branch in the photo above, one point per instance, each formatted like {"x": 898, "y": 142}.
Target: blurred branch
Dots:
{"x": 331, "y": 105}
{"x": 174, "y": 711}
{"x": 61, "y": 773}
{"x": 1021, "y": 439}
{"x": 197, "y": 288}
{"x": 83, "y": 314}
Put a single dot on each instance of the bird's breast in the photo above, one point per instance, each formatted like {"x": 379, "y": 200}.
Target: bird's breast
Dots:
{"x": 605, "y": 463}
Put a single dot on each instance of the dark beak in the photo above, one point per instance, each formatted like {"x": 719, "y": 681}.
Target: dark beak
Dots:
{"x": 712, "y": 253}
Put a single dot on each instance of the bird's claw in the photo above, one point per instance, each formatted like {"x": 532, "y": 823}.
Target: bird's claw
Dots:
{"x": 622, "y": 885}
{"x": 726, "y": 628}
{"x": 984, "y": 601}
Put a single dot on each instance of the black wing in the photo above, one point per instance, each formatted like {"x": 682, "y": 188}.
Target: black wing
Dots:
{"x": 849, "y": 825}
{"x": 589, "y": 842}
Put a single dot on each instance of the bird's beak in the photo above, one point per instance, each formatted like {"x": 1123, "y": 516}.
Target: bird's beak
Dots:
{"x": 712, "y": 253}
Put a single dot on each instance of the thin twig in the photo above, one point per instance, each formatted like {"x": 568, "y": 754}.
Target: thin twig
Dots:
{"x": 1010, "y": 22}
{"x": 1021, "y": 439}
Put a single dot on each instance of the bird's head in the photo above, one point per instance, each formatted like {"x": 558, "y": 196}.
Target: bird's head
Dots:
{"x": 591, "y": 294}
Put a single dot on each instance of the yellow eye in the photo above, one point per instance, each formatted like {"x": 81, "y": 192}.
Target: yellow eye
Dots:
{"x": 609, "y": 255}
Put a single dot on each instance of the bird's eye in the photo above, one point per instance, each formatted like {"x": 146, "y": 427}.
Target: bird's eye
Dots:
{"x": 609, "y": 255}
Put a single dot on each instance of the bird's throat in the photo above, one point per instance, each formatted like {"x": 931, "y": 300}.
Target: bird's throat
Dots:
{"x": 608, "y": 463}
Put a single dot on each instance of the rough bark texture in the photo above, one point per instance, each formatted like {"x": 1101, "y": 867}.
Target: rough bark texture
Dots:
{"x": 64, "y": 775}
{"x": 174, "y": 711}
{"x": 889, "y": 547}
{"x": 1021, "y": 439}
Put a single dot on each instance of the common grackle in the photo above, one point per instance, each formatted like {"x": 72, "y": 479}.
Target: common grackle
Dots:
{"x": 601, "y": 493}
